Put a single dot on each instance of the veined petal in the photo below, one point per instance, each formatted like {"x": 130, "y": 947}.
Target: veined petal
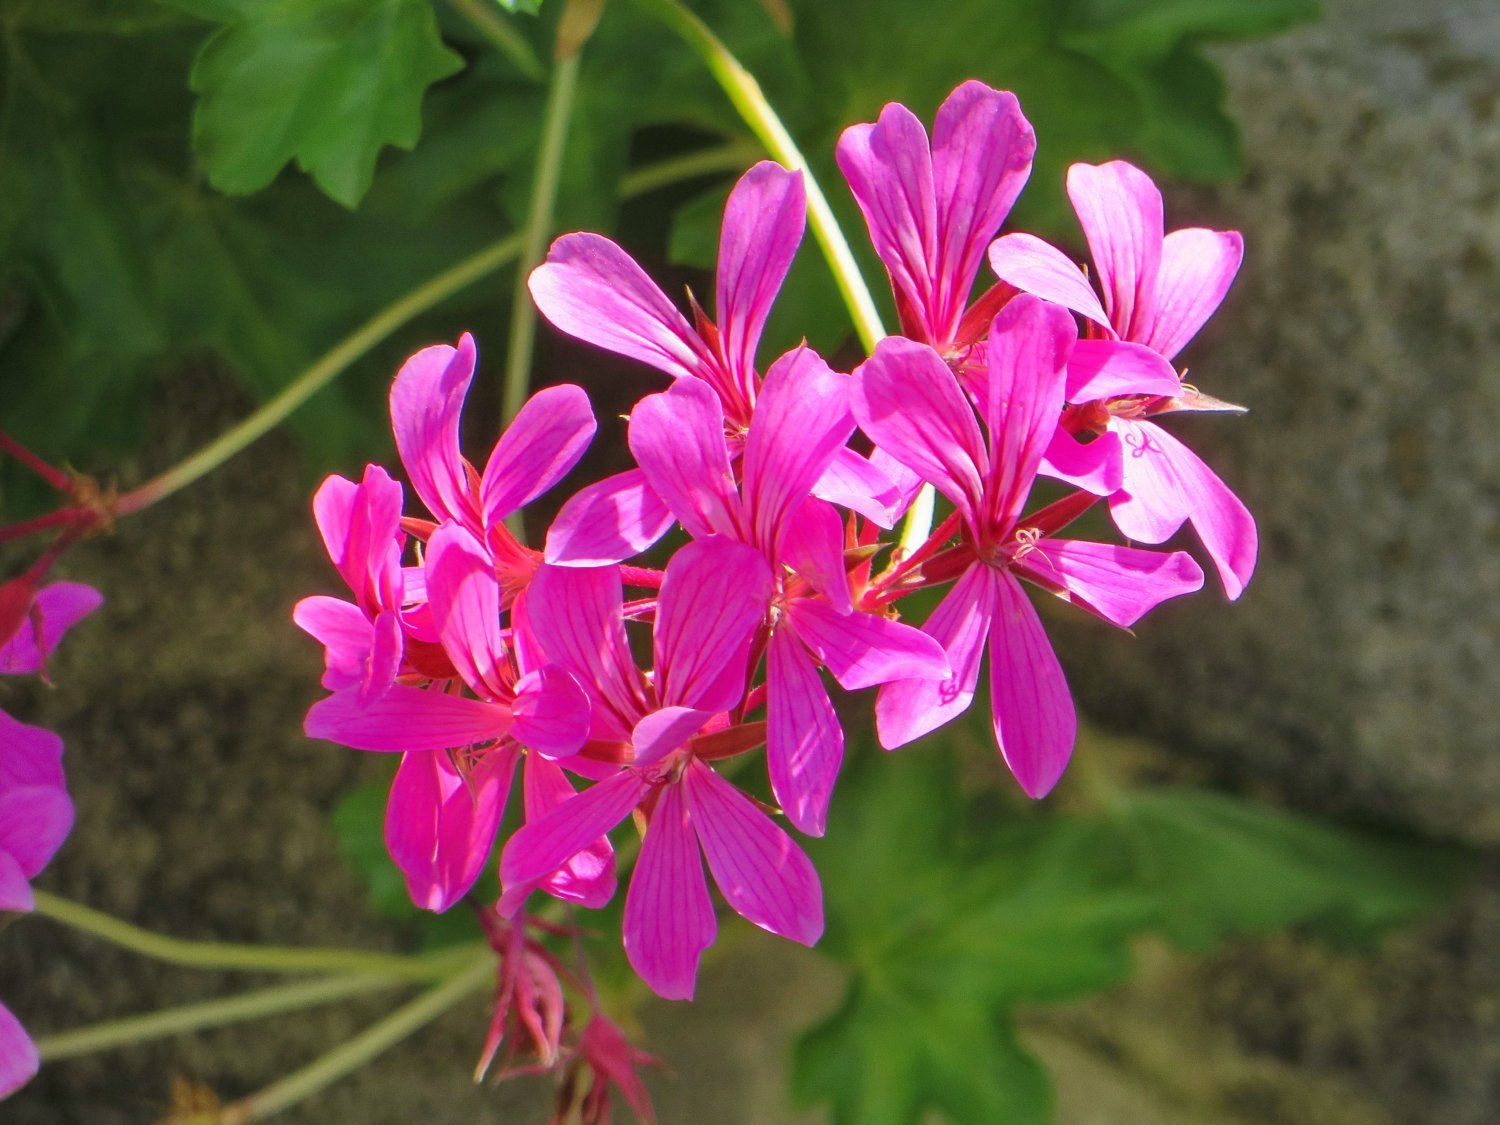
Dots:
{"x": 663, "y": 731}
{"x": 427, "y": 401}
{"x": 551, "y": 712}
{"x": 15, "y": 890}
{"x": 1107, "y": 368}
{"x": 387, "y": 649}
{"x": 574, "y": 613}
{"x": 677, "y": 438}
{"x": 19, "y": 1060}
{"x": 1197, "y": 267}
{"x": 608, "y": 521}
{"x": 407, "y": 718}
{"x": 865, "y": 649}
{"x": 1035, "y": 724}
{"x": 29, "y": 755}
{"x": 544, "y": 845}
{"x": 360, "y": 525}
{"x": 1038, "y": 268}
{"x": 907, "y": 709}
{"x": 907, "y": 400}
{"x": 877, "y": 487}
{"x": 713, "y": 597}
{"x": 804, "y": 741}
{"x": 763, "y": 223}
{"x": 536, "y": 450}
{"x": 812, "y": 544}
{"x": 1165, "y": 483}
{"x": 763, "y": 875}
{"x": 669, "y": 919}
{"x": 1117, "y": 583}
{"x": 34, "y": 821}
{"x": 982, "y": 147}
{"x": 801, "y": 420}
{"x": 1121, "y": 214}
{"x": 58, "y": 607}
{"x": 589, "y": 877}
{"x": 1096, "y": 466}
{"x": 591, "y": 289}
{"x": 465, "y": 599}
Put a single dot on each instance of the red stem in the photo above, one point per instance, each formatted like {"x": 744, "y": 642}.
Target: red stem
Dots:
{"x": 53, "y": 476}
{"x": 41, "y": 523}
{"x": 644, "y": 577}
{"x": 943, "y": 533}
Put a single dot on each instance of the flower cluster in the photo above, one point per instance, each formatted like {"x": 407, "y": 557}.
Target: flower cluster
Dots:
{"x": 472, "y": 654}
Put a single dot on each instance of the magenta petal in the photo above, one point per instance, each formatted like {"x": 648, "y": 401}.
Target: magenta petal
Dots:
{"x": 1118, "y": 583}
{"x": 608, "y": 521}
{"x": 1035, "y": 267}
{"x": 907, "y": 709}
{"x": 1121, "y": 214}
{"x": 801, "y": 421}
{"x": 19, "y": 1060}
{"x": 427, "y": 400}
{"x": 865, "y": 649}
{"x": 877, "y": 487}
{"x": 677, "y": 438}
{"x": 663, "y": 731}
{"x": 591, "y": 289}
{"x": 1106, "y": 368}
{"x": 812, "y": 544}
{"x": 1035, "y": 724}
{"x": 34, "y": 821}
{"x": 589, "y": 877}
{"x": 550, "y": 712}
{"x": 387, "y": 649}
{"x": 58, "y": 608}
{"x": 1197, "y": 267}
{"x": 575, "y": 616}
{"x": 763, "y": 223}
{"x": 465, "y": 598}
{"x": 762, "y": 874}
{"x": 669, "y": 919}
{"x": 1096, "y": 466}
{"x": 1165, "y": 483}
{"x": 536, "y": 450}
{"x": 360, "y": 525}
{"x": 542, "y": 846}
{"x": 907, "y": 400}
{"x": 804, "y": 741}
{"x": 713, "y": 597}
{"x": 15, "y": 888}
{"x": 407, "y": 718}
{"x": 29, "y": 756}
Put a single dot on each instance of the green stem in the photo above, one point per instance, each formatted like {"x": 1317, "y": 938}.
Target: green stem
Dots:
{"x": 248, "y": 958}
{"x": 746, "y": 95}
{"x": 210, "y": 1013}
{"x": 732, "y": 156}
{"x": 321, "y": 373}
{"x": 354, "y": 1053}
{"x": 502, "y": 35}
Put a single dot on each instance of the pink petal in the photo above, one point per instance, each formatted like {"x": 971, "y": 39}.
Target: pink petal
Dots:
{"x": 865, "y": 649}
{"x": 361, "y": 529}
{"x": 877, "y": 487}
{"x": 592, "y": 290}
{"x": 544, "y": 845}
{"x": 763, "y": 223}
{"x": 427, "y": 400}
{"x": 907, "y": 709}
{"x": 441, "y": 825}
{"x": 34, "y": 821}
{"x": 677, "y": 438}
{"x": 1105, "y": 368}
{"x": 812, "y": 544}
{"x": 1197, "y": 267}
{"x": 15, "y": 890}
{"x": 29, "y": 756}
{"x": 1120, "y": 211}
{"x": 804, "y": 741}
{"x": 801, "y": 421}
{"x": 58, "y": 607}
{"x": 18, "y": 1058}
{"x": 669, "y": 920}
{"x": 663, "y": 731}
{"x": 407, "y": 718}
{"x": 387, "y": 650}
{"x": 536, "y": 450}
{"x": 1118, "y": 583}
{"x": 763, "y": 875}
{"x": 907, "y": 400}
{"x": 1165, "y": 483}
{"x": 982, "y": 147}
{"x": 1035, "y": 267}
{"x": 607, "y": 522}
{"x": 712, "y": 599}
{"x": 551, "y": 712}
{"x": 1035, "y": 724}
{"x": 465, "y": 599}
{"x": 589, "y": 877}
{"x": 1029, "y": 343}
{"x": 1095, "y": 466}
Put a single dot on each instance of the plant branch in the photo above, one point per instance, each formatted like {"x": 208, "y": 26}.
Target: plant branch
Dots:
{"x": 502, "y": 35}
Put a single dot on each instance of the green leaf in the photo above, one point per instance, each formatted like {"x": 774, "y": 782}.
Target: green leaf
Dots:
{"x": 327, "y": 83}
{"x": 1227, "y": 867}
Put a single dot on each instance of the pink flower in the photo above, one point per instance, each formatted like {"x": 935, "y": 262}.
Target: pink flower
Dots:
{"x": 910, "y": 403}
{"x": 41, "y": 618}
{"x": 932, "y": 210}
{"x": 1158, "y": 289}
{"x": 712, "y": 601}
{"x": 611, "y": 1061}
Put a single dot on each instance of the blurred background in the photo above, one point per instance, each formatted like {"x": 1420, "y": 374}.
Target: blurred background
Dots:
{"x": 1309, "y": 779}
